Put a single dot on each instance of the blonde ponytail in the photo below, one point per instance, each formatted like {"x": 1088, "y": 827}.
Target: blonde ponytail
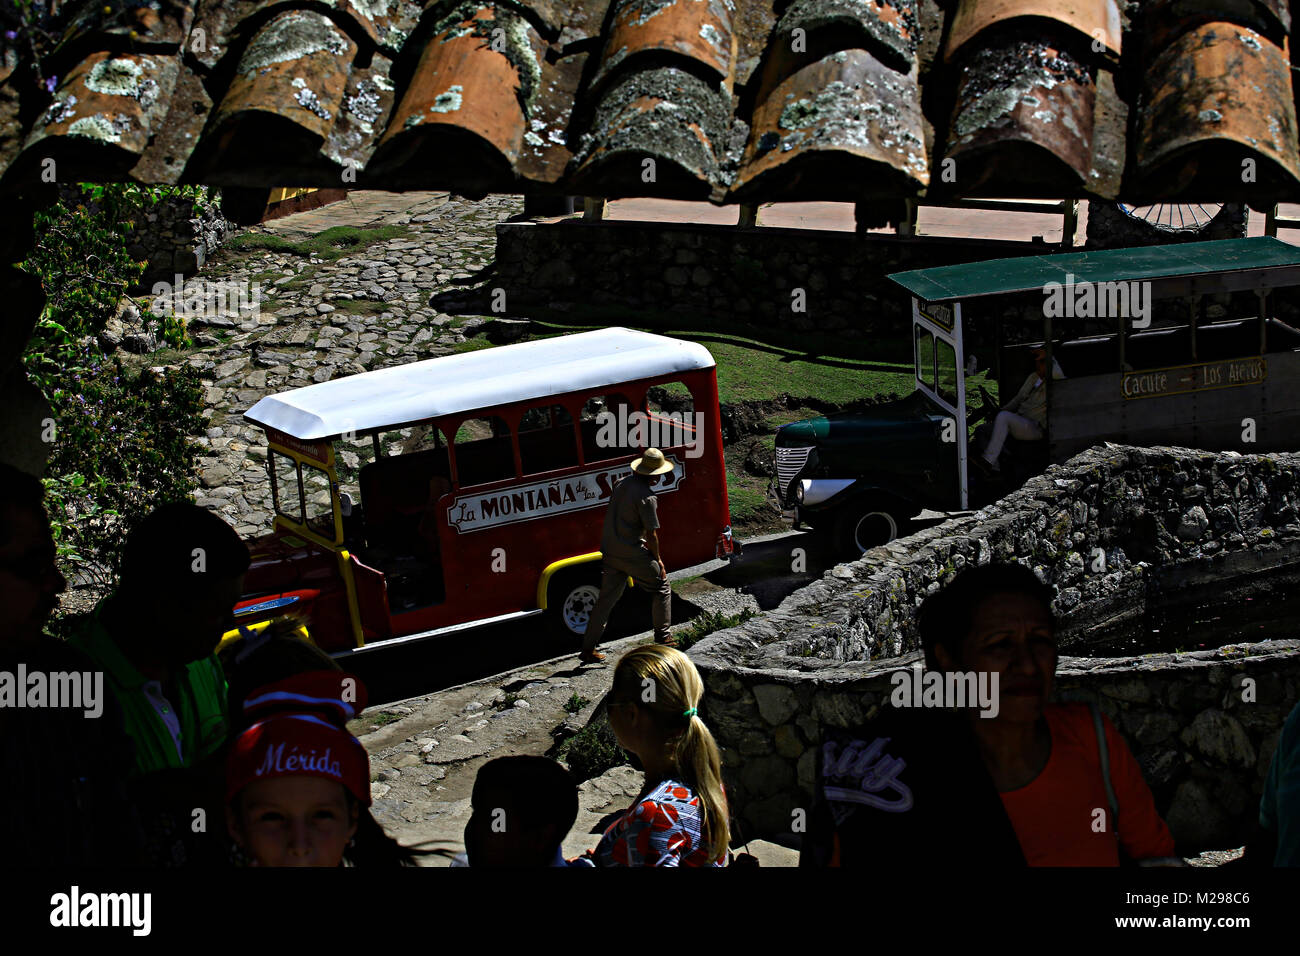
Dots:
{"x": 696, "y": 759}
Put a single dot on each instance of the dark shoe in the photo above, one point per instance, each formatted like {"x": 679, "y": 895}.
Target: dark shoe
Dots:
{"x": 987, "y": 468}
{"x": 595, "y": 657}
{"x": 667, "y": 640}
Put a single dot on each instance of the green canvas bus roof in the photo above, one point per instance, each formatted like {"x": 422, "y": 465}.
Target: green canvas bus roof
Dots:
{"x": 1030, "y": 273}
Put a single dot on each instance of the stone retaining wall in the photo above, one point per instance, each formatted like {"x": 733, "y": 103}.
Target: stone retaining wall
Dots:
{"x": 1113, "y": 530}
{"x": 704, "y": 275}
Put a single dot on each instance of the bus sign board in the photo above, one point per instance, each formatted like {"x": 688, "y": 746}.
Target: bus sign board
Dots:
{"x": 489, "y": 509}
{"x": 1202, "y": 377}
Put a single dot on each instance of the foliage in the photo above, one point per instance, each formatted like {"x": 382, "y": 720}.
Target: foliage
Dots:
{"x": 122, "y": 446}
{"x": 575, "y": 703}
{"x": 707, "y": 623}
{"x": 592, "y": 750}
{"x": 81, "y": 259}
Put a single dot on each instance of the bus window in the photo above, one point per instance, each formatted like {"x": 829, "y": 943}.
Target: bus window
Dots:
{"x": 546, "y": 439}
{"x": 482, "y": 451}
{"x": 925, "y": 357}
{"x": 671, "y": 407}
{"x": 320, "y": 503}
{"x": 947, "y": 372}
{"x": 605, "y": 424}
{"x": 286, "y": 488}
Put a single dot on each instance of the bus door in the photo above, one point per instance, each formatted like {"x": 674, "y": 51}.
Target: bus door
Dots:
{"x": 940, "y": 375}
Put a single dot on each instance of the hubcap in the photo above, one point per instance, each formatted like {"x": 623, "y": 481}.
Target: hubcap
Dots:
{"x": 874, "y": 528}
{"x": 577, "y": 607}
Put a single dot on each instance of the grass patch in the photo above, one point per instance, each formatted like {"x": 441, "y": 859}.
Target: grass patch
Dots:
{"x": 508, "y": 701}
{"x": 332, "y": 243}
{"x": 575, "y": 703}
{"x": 360, "y": 306}
{"x": 592, "y": 750}
{"x": 748, "y": 504}
{"x": 707, "y": 623}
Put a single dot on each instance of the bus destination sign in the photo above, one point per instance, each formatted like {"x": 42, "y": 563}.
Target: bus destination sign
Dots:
{"x": 1204, "y": 377}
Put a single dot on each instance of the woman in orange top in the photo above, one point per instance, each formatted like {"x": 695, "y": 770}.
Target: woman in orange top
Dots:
{"x": 1023, "y": 771}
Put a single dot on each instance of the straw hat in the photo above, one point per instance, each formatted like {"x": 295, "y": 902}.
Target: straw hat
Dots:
{"x": 652, "y": 463}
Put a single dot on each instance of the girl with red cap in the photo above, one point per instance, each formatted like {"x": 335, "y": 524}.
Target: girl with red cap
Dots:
{"x": 298, "y": 783}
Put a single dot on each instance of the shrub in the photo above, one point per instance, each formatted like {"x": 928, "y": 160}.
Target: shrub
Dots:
{"x": 592, "y": 750}
{"x": 707, "y": 623}
{"x": 122, "y": 446}
{"x": 122, "y": 442}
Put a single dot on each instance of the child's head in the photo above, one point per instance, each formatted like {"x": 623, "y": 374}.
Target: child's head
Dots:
{"x": 297, "y": 782}
{"x": 653, "y": 710}
{"x": 523, "y": 809}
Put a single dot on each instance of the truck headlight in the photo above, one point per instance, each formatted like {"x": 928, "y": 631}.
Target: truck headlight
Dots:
{"x": 798, "y": 492}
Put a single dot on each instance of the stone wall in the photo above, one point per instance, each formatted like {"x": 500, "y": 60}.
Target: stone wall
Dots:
{"x": 169, "y": 237}
{"x": 707, "y": 276}
{"x": 1117, "y": 532}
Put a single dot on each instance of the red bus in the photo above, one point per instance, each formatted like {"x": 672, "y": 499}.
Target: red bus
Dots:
{"x": 494, "y": 506}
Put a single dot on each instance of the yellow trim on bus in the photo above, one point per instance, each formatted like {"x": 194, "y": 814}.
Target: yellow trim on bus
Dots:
{"x": 350, "y": 586}
{"x": 236, "y": 634}
{"x": 560, "y": 565}
{"x": 556, "y": 566}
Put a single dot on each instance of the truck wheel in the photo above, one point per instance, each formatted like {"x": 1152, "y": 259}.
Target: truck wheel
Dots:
{"x": 864, "y": 526}
{"x": 570, "y": 598}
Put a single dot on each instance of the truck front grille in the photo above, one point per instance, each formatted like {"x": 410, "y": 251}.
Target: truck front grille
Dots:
{"x": 789, "y": 463}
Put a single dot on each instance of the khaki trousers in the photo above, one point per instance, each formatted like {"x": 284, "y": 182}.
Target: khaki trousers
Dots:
{"x": 614, "y": 572}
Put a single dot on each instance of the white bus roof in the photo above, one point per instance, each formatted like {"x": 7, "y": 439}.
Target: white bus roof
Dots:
{"x": 454, "y": 384}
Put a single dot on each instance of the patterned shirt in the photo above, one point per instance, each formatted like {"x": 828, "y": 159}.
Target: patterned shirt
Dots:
{"x": 663, "y": 829}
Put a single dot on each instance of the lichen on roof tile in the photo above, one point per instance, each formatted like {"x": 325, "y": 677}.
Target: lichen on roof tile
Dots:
{"x": 291, "y": 37}
{"x": 101, "y": 128}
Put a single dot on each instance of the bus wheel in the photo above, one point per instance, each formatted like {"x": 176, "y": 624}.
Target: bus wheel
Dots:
{"x": 862, "y": 527}
{"x": 570, "y": 599}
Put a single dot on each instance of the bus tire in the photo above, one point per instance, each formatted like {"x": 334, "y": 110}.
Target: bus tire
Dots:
{"x": 863, "y": 525}
{"x": 570, "y": 598}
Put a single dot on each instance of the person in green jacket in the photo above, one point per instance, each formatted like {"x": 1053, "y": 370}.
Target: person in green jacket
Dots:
{"x": 155, "y": 638}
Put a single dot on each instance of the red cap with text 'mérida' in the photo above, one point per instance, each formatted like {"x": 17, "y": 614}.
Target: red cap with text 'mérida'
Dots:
{"x": 300, "y": 730}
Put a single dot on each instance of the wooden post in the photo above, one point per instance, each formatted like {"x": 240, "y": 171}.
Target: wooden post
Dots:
{"x": 1262, "y": 295}
{"x": 748, "y": 215}
{"x": 1270, "y": 222}
{"x": 1070, "y": 222}
{"x": 593, "y": 207}
{"x": 907, "y": 225}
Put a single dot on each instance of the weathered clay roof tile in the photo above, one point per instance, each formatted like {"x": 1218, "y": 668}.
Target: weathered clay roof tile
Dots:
{"x": 109, "y": 105}
{"x": 844, "y": 127}
{"x": 1023, "y": 120}
{"x": 733, "y": 100}
{"x": 1217, "y": 97}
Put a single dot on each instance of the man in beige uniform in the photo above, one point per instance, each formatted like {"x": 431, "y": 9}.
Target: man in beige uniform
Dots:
{"x": 629, "y": 547}
{"x": 1025, "y": 416}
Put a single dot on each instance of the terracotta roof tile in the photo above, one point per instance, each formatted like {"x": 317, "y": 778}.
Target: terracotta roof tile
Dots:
{"x": 1216, "y": 96}
{"x": 732, "y": 100}
{"x": 844, "y": 127}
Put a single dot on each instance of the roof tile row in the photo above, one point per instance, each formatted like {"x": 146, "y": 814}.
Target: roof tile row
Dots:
{"x": 731, "y": 100}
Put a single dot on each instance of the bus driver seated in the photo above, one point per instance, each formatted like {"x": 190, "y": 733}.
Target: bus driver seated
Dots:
{"x": 1025, "y": 416}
